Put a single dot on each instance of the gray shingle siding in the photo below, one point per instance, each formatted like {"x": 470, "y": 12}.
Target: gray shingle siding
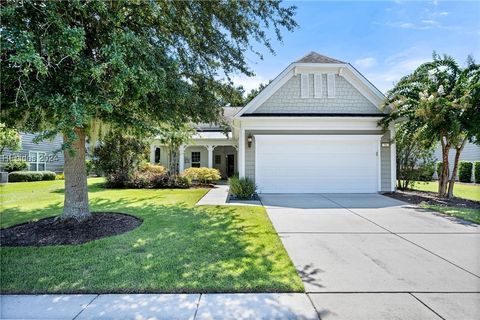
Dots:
{"x": 347, "y": 99}
{"x": 54, "y": 160}
{"x": 385, "y": 164}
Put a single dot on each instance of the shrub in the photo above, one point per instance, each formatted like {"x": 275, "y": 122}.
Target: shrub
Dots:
{"x": 26, "y": 176}
{"x": 90, "y": 166}
{"x": 476, "y": 171}
{"x": 119, "y": 156}
{"x": 16, "y": 165}
{"x": 48, "y": 175}
{"x": 60, "y": 176}
{"x": 465, "y": 171}
{"x": 425, "y": 171}
{"x": 178, "y": 181}
{"x": 242, "y": 188}
{"x": 153, "y": 168}
{"x": 202, "y": 175}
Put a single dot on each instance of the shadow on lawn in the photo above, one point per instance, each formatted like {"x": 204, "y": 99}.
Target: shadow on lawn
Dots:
{"x": 178, "y": 248}
{"x": 92, "y": 187}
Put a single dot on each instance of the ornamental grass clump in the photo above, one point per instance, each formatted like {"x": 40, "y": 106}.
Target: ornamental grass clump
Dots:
{"x": 242, "y": 188}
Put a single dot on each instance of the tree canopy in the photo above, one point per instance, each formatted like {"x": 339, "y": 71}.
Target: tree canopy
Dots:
{"x": 70, "y": 67}
{"x": 129, "y": 63}
{"x": 441, "y": 101}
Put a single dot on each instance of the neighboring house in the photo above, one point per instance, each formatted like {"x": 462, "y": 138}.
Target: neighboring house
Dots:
{"x": 471, "y": 152}
{"x": 40, "y": 156}
{"x": 314, "y": 128}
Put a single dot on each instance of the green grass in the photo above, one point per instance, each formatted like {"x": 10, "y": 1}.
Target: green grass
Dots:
{"x": 462, "y": 213}
{"x": 460, "y": 190}
{"x": 178, "y": 248}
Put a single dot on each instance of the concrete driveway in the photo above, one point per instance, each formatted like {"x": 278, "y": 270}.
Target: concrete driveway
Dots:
{"x": 367, "y": 256}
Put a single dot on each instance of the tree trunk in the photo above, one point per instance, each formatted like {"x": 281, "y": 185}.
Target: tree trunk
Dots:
{"x": 455, "y": 168}
{"x": 75, "y": 205}
{"x": 443, "y": 177}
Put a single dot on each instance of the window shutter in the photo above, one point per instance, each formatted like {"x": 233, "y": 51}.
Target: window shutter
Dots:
{"x": 304, "y": 85}
{"x": 317, "y": 81}
{"x": 331, "y": 85}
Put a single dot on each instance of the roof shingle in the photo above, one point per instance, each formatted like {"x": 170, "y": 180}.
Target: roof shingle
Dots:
{"x": 314, "y": 57}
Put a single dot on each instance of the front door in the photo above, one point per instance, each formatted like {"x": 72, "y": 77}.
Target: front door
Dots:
{"x": 230, "y": 165}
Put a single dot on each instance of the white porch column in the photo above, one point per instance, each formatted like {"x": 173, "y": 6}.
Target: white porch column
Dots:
{"x": 241, "y": 153}
{"x": 210, "y": 155}
{"x": 181, "y": 158}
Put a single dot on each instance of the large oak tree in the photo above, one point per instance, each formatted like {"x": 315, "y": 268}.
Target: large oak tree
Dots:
{"x": 69, "y": 67}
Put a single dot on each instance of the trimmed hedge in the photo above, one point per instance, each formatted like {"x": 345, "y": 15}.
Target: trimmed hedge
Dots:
{"x": 242, "y": 188}
{"x": 26, "y": 176}
{"x": 465, "y": 171}
{"x": 476, "y": 171}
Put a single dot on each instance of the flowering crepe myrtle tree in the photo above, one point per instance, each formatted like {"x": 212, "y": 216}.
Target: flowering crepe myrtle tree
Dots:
{"x": 71, "y": 66}
{"x": 441, "y": 101}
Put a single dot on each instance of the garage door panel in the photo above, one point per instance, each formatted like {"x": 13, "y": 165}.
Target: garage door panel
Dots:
{"x": 309, "y": 164}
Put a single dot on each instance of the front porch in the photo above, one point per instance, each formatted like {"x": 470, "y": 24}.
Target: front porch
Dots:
{"x": 207, "y": 149}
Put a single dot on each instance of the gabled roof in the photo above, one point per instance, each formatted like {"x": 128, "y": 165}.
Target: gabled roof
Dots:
{"x": 316, "y": 60}
{"x": 314, "y": 57}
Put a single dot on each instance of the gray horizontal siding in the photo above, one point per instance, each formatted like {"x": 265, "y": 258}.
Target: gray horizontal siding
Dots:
{"x": 54, "y": 160}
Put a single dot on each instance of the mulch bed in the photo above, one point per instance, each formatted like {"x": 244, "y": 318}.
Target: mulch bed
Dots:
{"x": 417, "y": 197}
{"x": 51, "y": 231}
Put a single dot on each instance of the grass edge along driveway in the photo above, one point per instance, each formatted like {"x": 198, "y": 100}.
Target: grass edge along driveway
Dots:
{"x": 467, "y": 191}
{"x": 178, "y": 248}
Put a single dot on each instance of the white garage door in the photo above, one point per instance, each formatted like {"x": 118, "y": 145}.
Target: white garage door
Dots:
{"x": 316, "y": 163}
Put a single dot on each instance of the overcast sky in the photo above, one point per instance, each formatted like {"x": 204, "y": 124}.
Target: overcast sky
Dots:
{"x": 384, "y": 40}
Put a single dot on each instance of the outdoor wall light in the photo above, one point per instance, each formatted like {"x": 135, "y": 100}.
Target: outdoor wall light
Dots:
{"x": 385, "y": 144}
{"x": 249, "y": 140}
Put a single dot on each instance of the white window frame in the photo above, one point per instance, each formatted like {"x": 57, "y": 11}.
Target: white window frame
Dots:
{"x": 36, "y": 154}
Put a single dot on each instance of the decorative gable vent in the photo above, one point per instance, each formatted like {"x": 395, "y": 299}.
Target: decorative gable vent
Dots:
{"x": 304, "y": 85}
{"x": 331, "y": 85}
{"x": 317, "y": 81}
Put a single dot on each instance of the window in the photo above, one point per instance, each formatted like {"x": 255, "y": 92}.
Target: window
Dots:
{"x": 157, "y": 155}
{"x": 196, "y": 159}
{"x": 218, "y": 159}
{"x": 37, "y": 160}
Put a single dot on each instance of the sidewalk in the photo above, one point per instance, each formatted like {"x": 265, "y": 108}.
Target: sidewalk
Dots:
{"x": 218, "y": 196}
{"x": 159, "y": 306}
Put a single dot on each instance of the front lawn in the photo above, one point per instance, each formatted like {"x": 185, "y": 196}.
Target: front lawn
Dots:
{"x": 468, "y": 191}
{"x": 178, "y": 248}
{"x": 462, "y": 213}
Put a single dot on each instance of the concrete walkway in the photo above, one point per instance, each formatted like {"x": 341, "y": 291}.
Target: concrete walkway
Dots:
{"x": 216, "y": 196}
{"x": 159, "y": 306}
{"x": 367, "y": 256}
